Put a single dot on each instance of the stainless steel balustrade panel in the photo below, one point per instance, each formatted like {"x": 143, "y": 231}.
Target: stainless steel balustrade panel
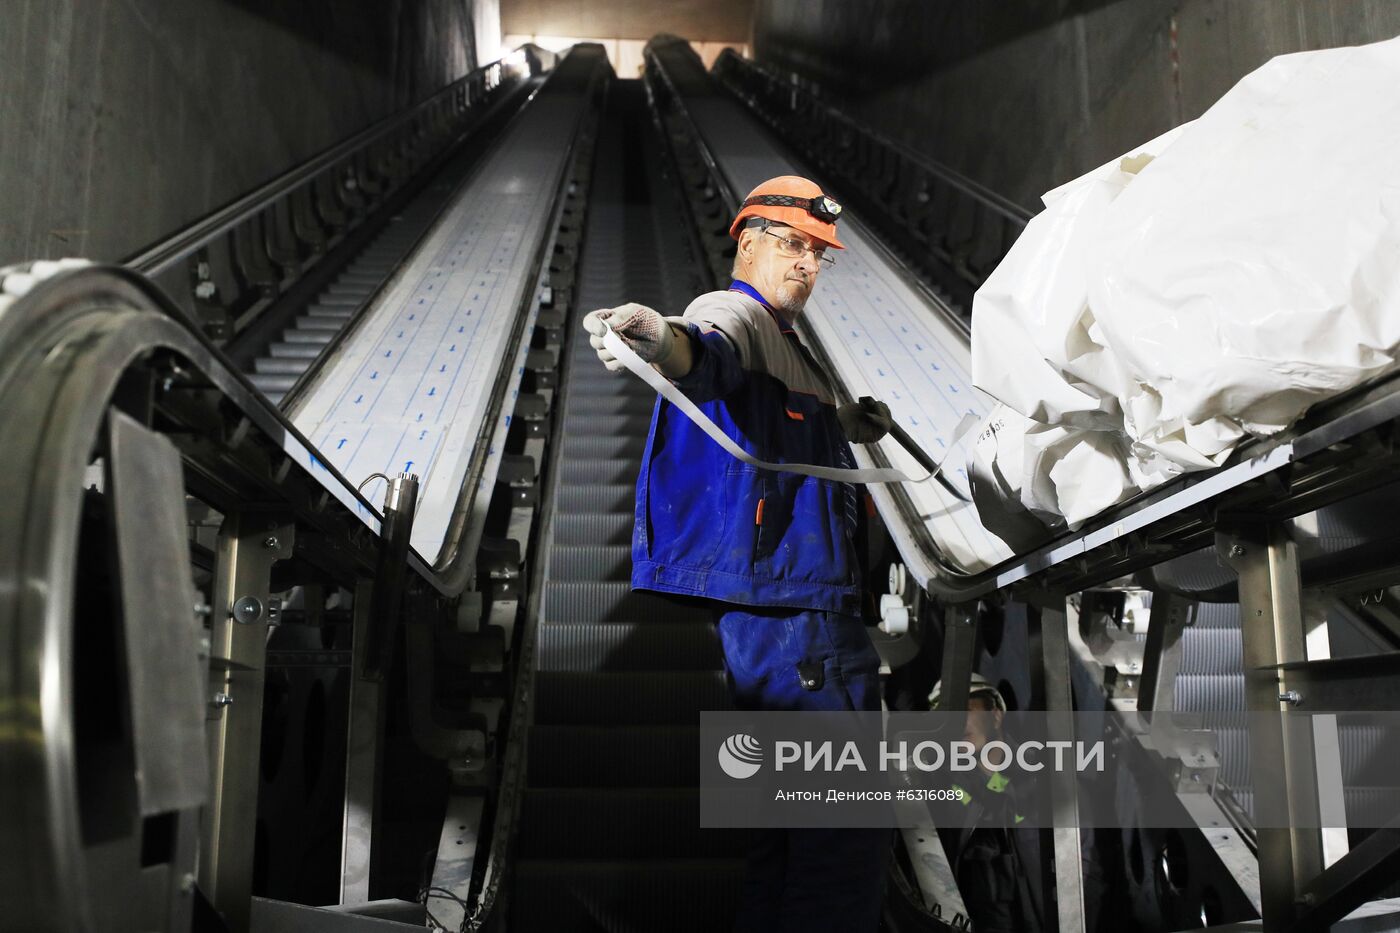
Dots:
{"x": 410, "y": 389}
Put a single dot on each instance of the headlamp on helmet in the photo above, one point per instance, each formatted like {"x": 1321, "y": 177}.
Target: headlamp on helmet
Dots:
{"x": 821, "y": 207}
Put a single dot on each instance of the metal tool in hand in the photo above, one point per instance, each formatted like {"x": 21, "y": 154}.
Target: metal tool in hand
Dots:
{"x": 934, "y": 467}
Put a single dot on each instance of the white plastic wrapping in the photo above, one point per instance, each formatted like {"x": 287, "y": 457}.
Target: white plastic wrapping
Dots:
{"x": 1210, "y": 286}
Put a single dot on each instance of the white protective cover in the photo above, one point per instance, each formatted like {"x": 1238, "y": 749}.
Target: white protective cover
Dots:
{"x": 1209, "y": 286}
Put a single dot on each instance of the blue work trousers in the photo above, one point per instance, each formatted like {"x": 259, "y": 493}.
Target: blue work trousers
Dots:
{"x": 808, "y": 880}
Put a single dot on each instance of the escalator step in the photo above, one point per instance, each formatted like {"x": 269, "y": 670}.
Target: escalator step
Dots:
{"x": 638, "y": 402}
{"x": 342, "y": 301}
{"x": 290, "y": 366}
{"x": 620, "y": 823}
{"x": 606, "y": 756}
{"x": 591, "y": 601}
{"x": 606, "y": 471}
{"x": 273, "y": 386}
{"x": 607, "y": 425}
{"x": 613, "y": 388}
{"x": 586, "y": 562}
{"x": 318, "y": 323}
{"x": 628, "y": 698}
{"x": 626, "y": 445}
{"x": 627, "y": 646}
{"x": 626, "y": 896}
{"x": 317, "y": 337}
{"x": 1212, "y": 651}
{"x": 355, "y": 290}
{"x": 612, "y": 497}
{"x": 331, "y": 312}
{"x": 601, "y": 528}
{"x": 299, "y": 351}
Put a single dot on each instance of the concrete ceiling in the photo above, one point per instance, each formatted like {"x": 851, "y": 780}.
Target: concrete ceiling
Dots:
{"x": 697, "y": 20}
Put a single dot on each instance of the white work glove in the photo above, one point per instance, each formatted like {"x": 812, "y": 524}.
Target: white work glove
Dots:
{"x": 642, "y": 329}
{"x": 864, "y": 422}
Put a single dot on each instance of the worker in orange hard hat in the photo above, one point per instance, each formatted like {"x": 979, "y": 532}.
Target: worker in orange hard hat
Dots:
{"x": 801, "y": 221}
{"x": 774, "y": 552}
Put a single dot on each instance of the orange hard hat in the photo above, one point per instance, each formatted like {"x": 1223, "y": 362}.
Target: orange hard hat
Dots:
{"x": 794, "y": 202}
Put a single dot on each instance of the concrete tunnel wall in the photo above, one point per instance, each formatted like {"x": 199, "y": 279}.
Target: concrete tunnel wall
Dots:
{"x": 1025, "y": 96}
{"x": 123, "y": 120}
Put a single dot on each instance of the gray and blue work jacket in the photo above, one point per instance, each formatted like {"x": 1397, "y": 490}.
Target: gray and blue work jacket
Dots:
{"x": 710, "y": 525}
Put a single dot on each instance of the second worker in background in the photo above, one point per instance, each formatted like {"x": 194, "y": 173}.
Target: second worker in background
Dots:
{"x": 775, "y": 551}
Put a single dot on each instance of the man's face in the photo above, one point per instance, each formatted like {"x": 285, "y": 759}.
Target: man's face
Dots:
{"x": 785, "y": 280}
{"x": 983, "y": 723}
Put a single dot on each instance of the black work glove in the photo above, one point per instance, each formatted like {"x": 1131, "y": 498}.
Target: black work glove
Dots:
{"x": 864, "y": 422}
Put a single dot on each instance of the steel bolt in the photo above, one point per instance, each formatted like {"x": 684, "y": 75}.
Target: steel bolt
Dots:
{"x": 203, "y": 609}
{"x": 271, "y": 543}
{"x": 221, "y": 700}
{"x": 1236, "y": 550}
{"x": 1291, "y": 697}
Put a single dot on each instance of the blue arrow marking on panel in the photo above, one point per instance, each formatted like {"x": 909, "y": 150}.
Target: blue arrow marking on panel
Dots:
{"x": 407, "y": 465}
{"x": 507, "y": 419}
{"x": 854, "y": 334}
{"x": 452, "y": 349}
{"x": 934, "y": 367}
{"x": 412, "y": 316}
{"x": 420, "y": 416}
{"x": 358, "y": 399}
{"x": 374, "y": 375}
{"x": 868, "y": 353}
{"x": 476, "y": 296}
{"x": 843, "y": 317}
{"x": 918, "y": 346}
{"x": 432, "y": 392}
{"x": 341, "y": 444}
{"x": 940, "y": 442}
{"x": 460, "y": 329}
{"x": 953, "y": 387}
{"x": 903, "y": 329}
{"x": 388, "y": 353}
{"x": 400, "y": 335}
{"x": 879, "y": 370}
{"x": 423, "y": 434}
{"x": 443, "y": 369}
{"x": 914, "y": 421}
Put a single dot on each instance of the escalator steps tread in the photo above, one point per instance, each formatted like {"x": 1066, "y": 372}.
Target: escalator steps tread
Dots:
{"x": 604, "y": 497}
{"x": 634, "y": 822}
{"x": 604, "y": 471}
{"x": 628, "y": 697}
{"x": 591, "y": 562}
{"x": 608, "y": 756}
{"x": 627, "y": 646}
{"x": 593, "y": 601}
{"x": 601, "y": 528}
